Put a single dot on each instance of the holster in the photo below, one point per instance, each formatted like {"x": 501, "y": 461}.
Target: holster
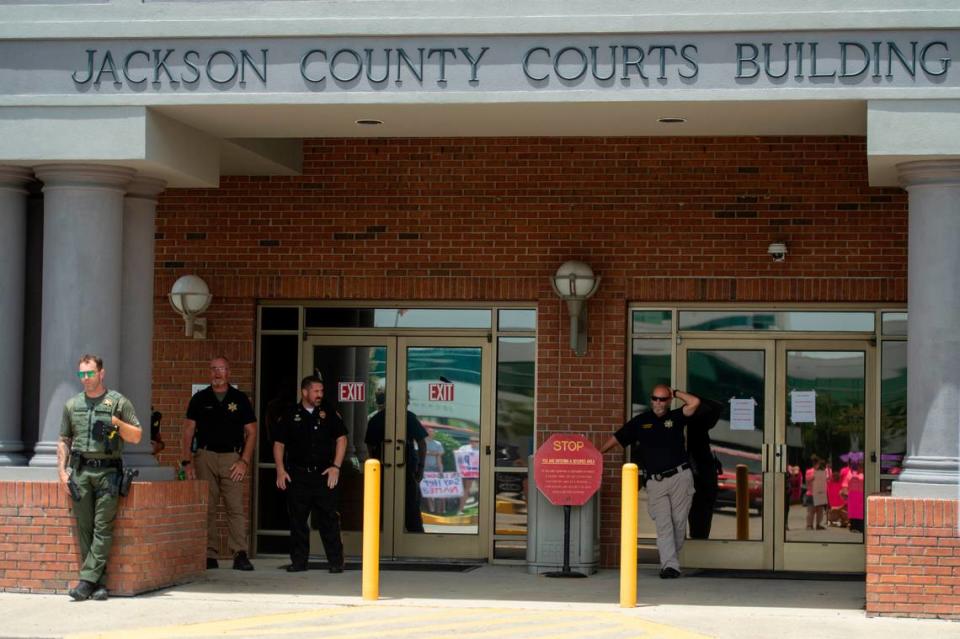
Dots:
{"x": 73, "y": 488}
{"x": 126, "y": 478}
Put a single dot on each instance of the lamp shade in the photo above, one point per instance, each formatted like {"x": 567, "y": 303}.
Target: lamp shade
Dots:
{"x": 190, "y": 295}
{"x": 574, "y": 280}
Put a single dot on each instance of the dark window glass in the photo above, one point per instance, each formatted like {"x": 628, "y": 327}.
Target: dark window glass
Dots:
{"x": 516, "y": 383}
{"x": 814, "y": 321}
{"x": 279, "y": 385}
{"x": 652, "y": 321}
{"x": 272, "y": 504}
{"x": 279, "y": 318}
{"x": 327, "y": 317}
{"x": 273, "y": 545}
{"x": 516, "y": 319}
{"x": 893, "y": 406}
{"x": 338, "y": 317}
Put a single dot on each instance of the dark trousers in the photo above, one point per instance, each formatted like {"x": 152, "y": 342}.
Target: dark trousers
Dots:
{"x": 701, "y": 510}
{"x": 308, "y": 492}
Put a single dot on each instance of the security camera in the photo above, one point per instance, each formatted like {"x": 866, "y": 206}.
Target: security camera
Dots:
{"x": 778, "y": 251}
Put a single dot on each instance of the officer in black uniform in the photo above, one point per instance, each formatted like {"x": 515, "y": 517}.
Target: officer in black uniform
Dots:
{"x": 309, "y": 446}
{"x": 222, "y": 418}
{"x": 658, "y": 440}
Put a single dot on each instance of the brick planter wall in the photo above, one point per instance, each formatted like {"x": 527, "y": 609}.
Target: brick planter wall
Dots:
{"x": 913, "y": 557}
{"x": 159, "y": 537}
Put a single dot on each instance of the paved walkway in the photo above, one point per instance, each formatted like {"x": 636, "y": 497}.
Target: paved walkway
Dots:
{"x": 490, "y": 601}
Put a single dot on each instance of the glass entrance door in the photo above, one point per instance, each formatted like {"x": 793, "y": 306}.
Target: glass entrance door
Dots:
{"x": 417, "y": 404}
{"x": 443, "y": 394}
{"x": 794, "y": 417}
{"x": 721, "y": 533}
{"x": 825, "y": 401}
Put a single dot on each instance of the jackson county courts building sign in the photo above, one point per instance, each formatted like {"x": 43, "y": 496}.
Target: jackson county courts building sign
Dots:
{"x": 885, "y": 61}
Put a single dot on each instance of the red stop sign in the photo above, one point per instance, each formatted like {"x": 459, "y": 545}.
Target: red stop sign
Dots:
{"x": 568, "y": 469}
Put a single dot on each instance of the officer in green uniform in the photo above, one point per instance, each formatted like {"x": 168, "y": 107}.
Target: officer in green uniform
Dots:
{"x": 95, "y": 424}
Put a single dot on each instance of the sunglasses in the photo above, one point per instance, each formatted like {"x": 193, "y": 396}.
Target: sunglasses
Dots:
{"x": 654, "y": 398}
{"x": 86, "y": 374}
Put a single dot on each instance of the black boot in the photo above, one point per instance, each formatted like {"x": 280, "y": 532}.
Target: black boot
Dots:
{"x": 82, "y": 591}
{"x": 241, "y": 561}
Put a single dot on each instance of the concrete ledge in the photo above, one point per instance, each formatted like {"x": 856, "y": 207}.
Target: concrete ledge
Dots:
{"x": 159, "y": 537}
{"x": 913, "y": 567}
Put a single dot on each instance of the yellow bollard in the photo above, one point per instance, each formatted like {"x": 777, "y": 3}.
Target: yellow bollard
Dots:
{"x": 743, "y": 503}
{"x": 628, "y": 536}
{"x": 371, "y": 530}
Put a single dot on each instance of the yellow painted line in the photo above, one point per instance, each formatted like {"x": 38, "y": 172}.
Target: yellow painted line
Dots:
{"x": 329, "y": 629}
{"x": 648, "y": 628}
{"x": 491, "y": 621}
{"x": 207, "y": 628}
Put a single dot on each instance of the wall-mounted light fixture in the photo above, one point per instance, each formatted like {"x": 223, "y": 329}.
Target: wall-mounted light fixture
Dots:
{"x": 575, "y": 283}
{"x": 190, "y": 296}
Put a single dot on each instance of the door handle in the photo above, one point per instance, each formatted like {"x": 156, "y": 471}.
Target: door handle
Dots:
{"x": 873, "y": 457}
{"x": 388, "y": 441}
{"x": 488, "y": 449}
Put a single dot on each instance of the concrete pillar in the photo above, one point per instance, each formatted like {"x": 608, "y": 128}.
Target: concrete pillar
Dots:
{"x": 136, "y": 324}
{"x": 82, "y": 285}
{"x": 13, "y": 241}
{"x": 933, "y": 357}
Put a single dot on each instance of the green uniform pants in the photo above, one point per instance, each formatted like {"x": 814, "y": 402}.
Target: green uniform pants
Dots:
{"x": 95, "y": 513}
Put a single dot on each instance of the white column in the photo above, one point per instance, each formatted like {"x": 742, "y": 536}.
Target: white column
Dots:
{"x": 13, "y": 239}
{"x": 933, "y": 353}
{"x": 136, "y": 325}
{"x": 82, "y": 285}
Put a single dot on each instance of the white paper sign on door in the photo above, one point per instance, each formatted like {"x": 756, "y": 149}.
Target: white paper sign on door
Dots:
{"x": 743, "y": 414}
{"x": 803, "y": 407}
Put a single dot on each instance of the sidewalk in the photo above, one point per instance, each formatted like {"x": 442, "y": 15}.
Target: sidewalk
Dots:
{"x": 489, "y": 601}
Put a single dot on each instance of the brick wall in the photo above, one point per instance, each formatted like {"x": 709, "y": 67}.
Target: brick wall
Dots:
{"x": 661, "y": 219}
{"x": 159, "y": 537}
{"x": 913, "y": 557}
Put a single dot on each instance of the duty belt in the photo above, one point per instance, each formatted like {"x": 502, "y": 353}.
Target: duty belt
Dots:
{"x": 670, "y": 472}
{"x": 91, "y": 462}
{"x": 222, "y": 451}
{"x": 319, "y": 468}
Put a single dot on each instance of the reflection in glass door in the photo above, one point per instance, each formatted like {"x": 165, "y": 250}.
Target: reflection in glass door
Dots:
{"x": 416, "y": 405}
{"x": 795, "y": 416}
{"x": 825, "y": 396}
{"x": 716, "y": 372}
{"x": 444, "y": 499}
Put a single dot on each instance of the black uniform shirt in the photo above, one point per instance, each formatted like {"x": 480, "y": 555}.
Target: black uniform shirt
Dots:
{"x": 309, "y": 438}
{"x": 220, "y": 423}
{"x": 658, "y": 442}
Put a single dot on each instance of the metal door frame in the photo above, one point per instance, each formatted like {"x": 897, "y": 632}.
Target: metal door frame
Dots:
{"x": 775, "y": 552}
{"x": 755, "y": 555}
